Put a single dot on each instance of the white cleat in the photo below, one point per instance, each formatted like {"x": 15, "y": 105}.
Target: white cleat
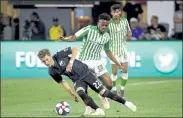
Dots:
{"x": 88, "y": 110}
{"x": 99, "y": 111}
{"x": 131, "y": 106}
{"x": 105, "y": 102}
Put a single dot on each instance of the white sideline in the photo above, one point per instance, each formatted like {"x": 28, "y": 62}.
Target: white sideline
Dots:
{"x": 153, "y": 82}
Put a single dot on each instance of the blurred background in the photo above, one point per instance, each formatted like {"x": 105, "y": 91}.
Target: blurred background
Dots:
{"x": 64, "y": 17}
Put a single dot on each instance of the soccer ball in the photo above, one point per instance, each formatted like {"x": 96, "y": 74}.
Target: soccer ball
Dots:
{"x": 63, "y": 108}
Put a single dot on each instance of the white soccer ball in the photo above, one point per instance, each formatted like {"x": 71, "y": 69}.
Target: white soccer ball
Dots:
{"x": 63, "y": 108}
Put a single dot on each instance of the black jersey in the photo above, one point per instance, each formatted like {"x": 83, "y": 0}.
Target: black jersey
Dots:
{"x": 61, "y": 59}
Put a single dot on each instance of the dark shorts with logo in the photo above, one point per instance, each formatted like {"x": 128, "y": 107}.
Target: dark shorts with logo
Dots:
{"x": 90, "y": 80}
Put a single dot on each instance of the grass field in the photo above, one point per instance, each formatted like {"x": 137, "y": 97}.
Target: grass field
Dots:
{"x": 38, "y": 97}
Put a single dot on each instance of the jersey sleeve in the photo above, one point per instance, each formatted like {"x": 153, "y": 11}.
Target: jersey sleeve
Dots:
{"x": 82, "y": 32}
{"x": 58, "y": 78}
{"x": 65, "y": 52}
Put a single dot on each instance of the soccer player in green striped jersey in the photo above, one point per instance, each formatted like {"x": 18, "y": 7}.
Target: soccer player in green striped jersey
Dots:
{"x": 95, "y": 39}
{"x": 119, "y": 31}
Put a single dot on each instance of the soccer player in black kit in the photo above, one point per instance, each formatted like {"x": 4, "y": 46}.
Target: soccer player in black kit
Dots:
{"x": 63, "y": 64}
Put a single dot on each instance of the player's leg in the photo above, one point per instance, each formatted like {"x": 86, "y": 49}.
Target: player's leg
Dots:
{"x": 81, "y": 89}
{"x": 124, "y": 77}
{"x": 114, "y": 76}
{"x": 106, "y": 80}
{"x": 96, "y": 85}
{"x": 115, "y": 97}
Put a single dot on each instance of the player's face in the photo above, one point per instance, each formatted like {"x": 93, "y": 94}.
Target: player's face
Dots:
{"x": 103, "y": 25}
{"x": 116, "y": 14}
{"x": 47, "y": 60}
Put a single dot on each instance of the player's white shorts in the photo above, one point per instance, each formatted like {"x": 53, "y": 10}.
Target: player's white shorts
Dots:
{"x": 97, "y": 65}
{"x": 121, "y": 59}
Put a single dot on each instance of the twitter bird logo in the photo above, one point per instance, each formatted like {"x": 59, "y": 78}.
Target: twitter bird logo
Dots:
{"x": 165, "y": 60}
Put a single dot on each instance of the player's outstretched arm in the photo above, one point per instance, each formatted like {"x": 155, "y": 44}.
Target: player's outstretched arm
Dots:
{"x": 68, "y": 38}
{"x": 110, "y": 54}
{"x": 66, "y": 86}
{"x": 112, "y": 57}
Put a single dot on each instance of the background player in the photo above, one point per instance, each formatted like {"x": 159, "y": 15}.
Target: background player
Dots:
{"x": 82, "y": 77}
{"x": 119, "y": 30}
{"x": 95, "y": 39}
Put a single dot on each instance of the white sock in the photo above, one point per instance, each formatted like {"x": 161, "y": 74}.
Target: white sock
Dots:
{"x": 114, "y": 88}
{"x": 113, "y": 77}
{"x": 122, "y": 87}
{"x": 124, "y": 76}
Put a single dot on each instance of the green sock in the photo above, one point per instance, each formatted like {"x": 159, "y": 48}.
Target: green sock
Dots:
{"x": 114, "y": 78}
{"x": 123, "y": 82}
{"x": 114, "y": 83}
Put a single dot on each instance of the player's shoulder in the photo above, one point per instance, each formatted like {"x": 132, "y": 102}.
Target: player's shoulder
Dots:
{"x": 50, "y": 71}
{"x": 93, "y": 27}
{"x": 87, "y": 27}
{"x": 123, "y": 19}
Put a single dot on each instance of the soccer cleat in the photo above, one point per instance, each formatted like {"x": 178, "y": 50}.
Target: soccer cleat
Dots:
{"x": 88, "y": 110}
{"x": 122, "y": 93}
{"x": 105, "y": 102}
{"x": 131, "y": 106}
{"x": 99, "y": 111}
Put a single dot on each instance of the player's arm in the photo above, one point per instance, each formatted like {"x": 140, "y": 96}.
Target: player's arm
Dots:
{"x": 79, "y": 34}
{"x": 68, "y": 38}
{"x": 129, "y": 33}
{"x": 73, "y": 57}
{"x": 110, "y": 54}
{"x": 64, "y": 84}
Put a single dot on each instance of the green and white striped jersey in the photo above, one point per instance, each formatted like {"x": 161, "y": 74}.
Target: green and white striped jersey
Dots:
{"x": 118, "y": 33}
{"x": 93, "y": 43}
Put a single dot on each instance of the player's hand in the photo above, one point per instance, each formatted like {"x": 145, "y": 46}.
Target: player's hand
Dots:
{"x": 121, "y": 68}
{"x": 75, "y": 98}
{"x": 69, "y": 67}
{"x": 60, "y": 38}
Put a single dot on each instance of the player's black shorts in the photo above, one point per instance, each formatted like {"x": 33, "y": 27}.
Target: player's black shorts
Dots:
{"x": 90, "y": 80}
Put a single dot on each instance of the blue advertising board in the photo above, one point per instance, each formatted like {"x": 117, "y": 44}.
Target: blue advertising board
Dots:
{"x": 146, "y": 58}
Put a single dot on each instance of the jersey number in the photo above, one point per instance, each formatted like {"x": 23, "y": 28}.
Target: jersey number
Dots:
{"x": 97, "y": 84}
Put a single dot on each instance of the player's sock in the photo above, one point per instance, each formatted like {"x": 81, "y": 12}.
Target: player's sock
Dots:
{"x": 114, "y": 97}
{"x": 114, "y": 78}
{"x": 87, "y": 99}
{"x": 124, "y": 79}
{"x": 123, "y": 83}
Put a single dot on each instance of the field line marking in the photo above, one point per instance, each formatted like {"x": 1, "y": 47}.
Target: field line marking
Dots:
{"x": 153, "y": 82}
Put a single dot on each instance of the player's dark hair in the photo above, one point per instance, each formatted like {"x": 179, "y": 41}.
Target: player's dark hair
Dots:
{"x": 42, "y": 53}
{"x": 104, "y": 16}
{"x": 116, "y": 6}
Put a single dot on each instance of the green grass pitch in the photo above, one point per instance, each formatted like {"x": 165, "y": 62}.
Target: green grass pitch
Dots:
{"x": 38, "y": 97}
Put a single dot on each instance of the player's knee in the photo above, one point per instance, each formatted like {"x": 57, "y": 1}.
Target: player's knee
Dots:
{"x": 80, "y": 91}
{"x": 114, "y": 73}
{"x": 104, "y": 93}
